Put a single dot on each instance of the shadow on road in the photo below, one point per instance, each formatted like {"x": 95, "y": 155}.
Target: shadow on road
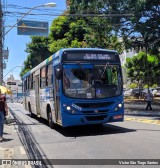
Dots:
{"x": 92, "y": 130}
{"x": 7, "y": 139}
{"x": 89, "y": 130}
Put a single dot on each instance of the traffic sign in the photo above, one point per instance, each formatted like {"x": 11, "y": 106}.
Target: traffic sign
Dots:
{"x": 32, "y": 28}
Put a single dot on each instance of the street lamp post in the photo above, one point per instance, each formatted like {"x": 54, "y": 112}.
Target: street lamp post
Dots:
{"x": 52, "y": 4}
{"x": 11, "y": 70}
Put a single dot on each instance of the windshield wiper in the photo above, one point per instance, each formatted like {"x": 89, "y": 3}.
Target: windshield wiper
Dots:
{"x": 103, "y": 73}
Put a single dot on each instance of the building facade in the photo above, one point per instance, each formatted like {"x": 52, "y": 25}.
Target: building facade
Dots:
{"x": 15, "y": 86}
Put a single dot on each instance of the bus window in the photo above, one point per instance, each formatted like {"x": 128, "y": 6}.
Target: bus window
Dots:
{"x": 25, "y": 84}
{"x": 31, "y": 81}
{"x": 43, "y": 77}
{"x": 49, "y": 80}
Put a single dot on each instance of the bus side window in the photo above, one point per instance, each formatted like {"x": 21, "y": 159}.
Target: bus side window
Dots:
{"x": 27, "y": 88}
{"x": 33, "y": 82}
{"x": 30, "y": 82}
{"x": 43, "y": 77}
{"x": 49, "y": 73}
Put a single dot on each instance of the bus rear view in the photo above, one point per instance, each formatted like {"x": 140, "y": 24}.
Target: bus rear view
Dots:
{"x": 89, "y": 87}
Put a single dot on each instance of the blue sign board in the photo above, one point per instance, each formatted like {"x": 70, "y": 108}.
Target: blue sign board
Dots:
{"x": 32, "y": 28}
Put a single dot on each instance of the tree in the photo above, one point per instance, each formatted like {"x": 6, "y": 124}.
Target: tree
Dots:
{"x": 144, "y": 23}
{"x": 126, "y": 18}
{"x": 66, "y": 33}
{"x": 143, "y": 69}
{"x": 100, "y": 29}
{"x": 38, "y": 51}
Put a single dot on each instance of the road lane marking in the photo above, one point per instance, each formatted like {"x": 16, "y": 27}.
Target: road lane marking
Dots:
{"x": 157, "y": 122}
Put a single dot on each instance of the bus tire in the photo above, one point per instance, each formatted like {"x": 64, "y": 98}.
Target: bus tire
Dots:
{"x": 30, "y": 111}
{"x": 50, "y": 120}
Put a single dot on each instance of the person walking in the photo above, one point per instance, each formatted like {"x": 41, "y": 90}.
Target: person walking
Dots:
{"x": 149, "y": 98}
{"x": 3, "y": 113}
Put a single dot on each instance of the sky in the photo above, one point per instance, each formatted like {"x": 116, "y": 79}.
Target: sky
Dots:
{"x": 16, "y": 44}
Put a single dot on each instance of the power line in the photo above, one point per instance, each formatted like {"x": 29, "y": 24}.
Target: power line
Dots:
{"x": 78, "y": 15}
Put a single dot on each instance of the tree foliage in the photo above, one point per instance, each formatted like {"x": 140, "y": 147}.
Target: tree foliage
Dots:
{"x": 144, "y": 69}
{"x": 100, "y": 23}
{"x": 66, "y": 33}
{"x": 145, "y": 23}
{"x": 100, "y": 29}
{"x": 37, "y": 51}
{"x": 127, "y": 18}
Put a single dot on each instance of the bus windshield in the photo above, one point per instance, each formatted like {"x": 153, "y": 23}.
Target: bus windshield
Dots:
{"x": 91, "y": 81}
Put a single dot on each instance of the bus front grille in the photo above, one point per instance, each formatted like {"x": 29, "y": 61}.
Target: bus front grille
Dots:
{"x": 94, "y": 105}
{"x": 95, "y": 111}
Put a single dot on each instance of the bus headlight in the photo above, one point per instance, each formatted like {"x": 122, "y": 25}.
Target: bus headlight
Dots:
{"x": 68, "y": 108}
{"x": 119, "y": 106}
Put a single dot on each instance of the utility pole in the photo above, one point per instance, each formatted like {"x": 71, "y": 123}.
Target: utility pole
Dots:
{"x": 1, "y": 44}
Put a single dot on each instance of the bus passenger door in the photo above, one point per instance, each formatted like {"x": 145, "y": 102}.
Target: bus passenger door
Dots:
{"x": 25, "y": 94}
{"x": 57, "y": 100}
{"x": 37, "y": 96}
{"x": 25, "y": 100}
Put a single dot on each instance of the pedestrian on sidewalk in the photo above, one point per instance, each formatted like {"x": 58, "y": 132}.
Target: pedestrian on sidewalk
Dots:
{"x": 149, "y": 98}
{"x": 3, "y": 113}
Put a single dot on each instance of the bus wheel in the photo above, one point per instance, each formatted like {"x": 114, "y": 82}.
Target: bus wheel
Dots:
{"x": 50, "y": 121}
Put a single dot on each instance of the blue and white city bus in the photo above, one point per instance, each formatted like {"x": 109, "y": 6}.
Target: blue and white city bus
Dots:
{"x": 76, "y": 86}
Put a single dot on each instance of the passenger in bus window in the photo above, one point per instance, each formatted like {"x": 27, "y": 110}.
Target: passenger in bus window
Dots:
{"x": 66, "y": 80}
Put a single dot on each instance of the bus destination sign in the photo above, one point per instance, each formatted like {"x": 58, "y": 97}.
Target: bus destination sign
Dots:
{"x": 97, "y": 57}
{"x": 92, "y": 56}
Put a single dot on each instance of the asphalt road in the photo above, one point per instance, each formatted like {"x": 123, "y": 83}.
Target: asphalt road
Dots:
{"x": 136, "y": 138}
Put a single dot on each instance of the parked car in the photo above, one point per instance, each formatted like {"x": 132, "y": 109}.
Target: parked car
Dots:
{"x": 128, "y": 92}
{"x": 136, "y": 92}
{"x": 154, "y": 91}
{"x": 158, "y": 91}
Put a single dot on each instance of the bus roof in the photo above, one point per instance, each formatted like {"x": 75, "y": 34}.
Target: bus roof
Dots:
{"x": 89, "y": 49}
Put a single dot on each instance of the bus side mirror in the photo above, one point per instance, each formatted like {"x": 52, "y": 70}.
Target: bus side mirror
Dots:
{"x": 58, "y": 73}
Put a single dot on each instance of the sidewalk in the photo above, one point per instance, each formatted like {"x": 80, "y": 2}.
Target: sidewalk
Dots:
{"x": 156, "y": 101}
{"x": 139, "y": 108}
{"x": 11, "y": 147}
{"x": 8, "y": 137}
